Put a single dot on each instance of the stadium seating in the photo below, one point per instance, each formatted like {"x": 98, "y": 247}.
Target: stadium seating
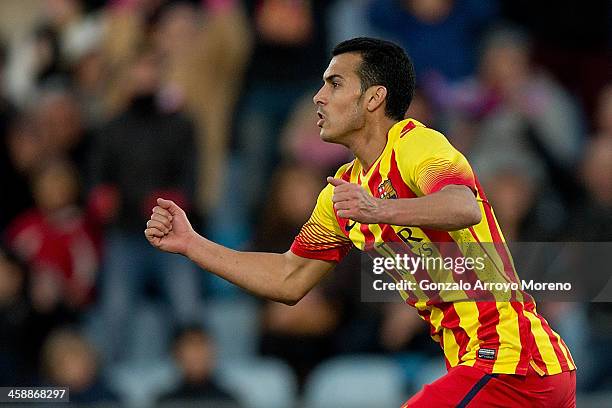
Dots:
{"x": 139, "y": 384}
{"x": 355, "y": 382}
{"x": 259, "y": 382}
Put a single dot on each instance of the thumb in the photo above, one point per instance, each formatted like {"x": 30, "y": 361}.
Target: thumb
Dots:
{"x": 169, "y": 205}
{"x": 336, "y": 181}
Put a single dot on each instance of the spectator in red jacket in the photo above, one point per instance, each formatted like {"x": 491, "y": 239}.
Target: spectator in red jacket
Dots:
{"x": 57, "y": 240}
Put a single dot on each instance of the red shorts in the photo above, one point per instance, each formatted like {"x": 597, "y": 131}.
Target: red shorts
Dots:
{"x": 470, "y": 387}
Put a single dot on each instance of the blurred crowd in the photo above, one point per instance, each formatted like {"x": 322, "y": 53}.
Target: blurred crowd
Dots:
{"x": 106, "y": 105}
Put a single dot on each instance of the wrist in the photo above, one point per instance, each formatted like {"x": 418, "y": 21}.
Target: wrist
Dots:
{"x": 191, "y": 244}
{"x": 383, "y": 211}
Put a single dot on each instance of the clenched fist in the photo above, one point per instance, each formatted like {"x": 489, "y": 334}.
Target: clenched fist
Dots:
{"x": 169, "y": 229}
{"x": 353, "y": 202}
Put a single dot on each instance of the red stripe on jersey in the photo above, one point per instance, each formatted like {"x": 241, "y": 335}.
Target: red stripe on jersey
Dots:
{"x": 445, "y": 181}
{"x": 536, "y": 356}
{"x": 373, "y": 182}
{"x": 346, "y": 176}
{"x": 409, "y": 126}
{"x": 569, "y": 355}
{"x": 488, "y": 316}
{"x": 395, "y": 176}
{"x": 334, "y": 254}
{"x": 526, "y": 337}
{"x": 495, "y": 233}
{"x": 554, "y": 342}
{"x": 451, "y": 321}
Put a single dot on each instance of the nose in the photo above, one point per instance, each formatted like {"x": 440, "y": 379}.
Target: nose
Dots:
{"x": 318, "y": 98}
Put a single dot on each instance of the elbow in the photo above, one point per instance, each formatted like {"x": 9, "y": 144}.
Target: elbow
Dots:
{"x": 466, "y": 216}
{"x": 475, "y": 216}
{"x": 292, "y": 292}
{"x": 291, "y": 299}
{"x": 472, "y": 215}
{"x": 290, "y": 302}
{"x": 470, "y": 210}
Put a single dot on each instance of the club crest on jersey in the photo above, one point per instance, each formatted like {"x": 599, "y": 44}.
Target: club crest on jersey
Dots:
{"x": 386, "y": 190}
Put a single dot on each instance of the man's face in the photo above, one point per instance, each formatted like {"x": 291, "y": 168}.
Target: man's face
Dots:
{"x": 340, "y": 103}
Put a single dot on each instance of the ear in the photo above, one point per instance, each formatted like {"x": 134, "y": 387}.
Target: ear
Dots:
{"x": 376, "y": 95}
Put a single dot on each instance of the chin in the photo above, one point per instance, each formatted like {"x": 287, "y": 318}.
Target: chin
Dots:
{"x": 326, "y": 136}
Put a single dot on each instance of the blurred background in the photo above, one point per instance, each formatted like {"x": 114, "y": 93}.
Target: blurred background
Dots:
{"x": 106, "y": 105}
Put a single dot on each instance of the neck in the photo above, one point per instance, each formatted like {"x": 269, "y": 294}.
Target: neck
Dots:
{"x": 368, "y": 144}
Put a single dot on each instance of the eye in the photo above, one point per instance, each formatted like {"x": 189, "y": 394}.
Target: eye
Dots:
{"x": 335, "y": 84}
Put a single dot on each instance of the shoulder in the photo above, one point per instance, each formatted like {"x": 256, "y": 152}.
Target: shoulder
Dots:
{"x": 328, "y": 190}
{"x": 345, "y": 168}
{"x": 414, "y": 138}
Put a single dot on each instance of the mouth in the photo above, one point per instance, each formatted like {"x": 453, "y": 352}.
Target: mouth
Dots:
{"x": 321, "y": 119}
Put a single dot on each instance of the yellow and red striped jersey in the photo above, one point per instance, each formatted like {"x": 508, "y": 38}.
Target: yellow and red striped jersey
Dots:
{"x": 499, "y": 336}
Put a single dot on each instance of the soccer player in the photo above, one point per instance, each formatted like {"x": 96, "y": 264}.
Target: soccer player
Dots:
{"x": 406, "y": 184}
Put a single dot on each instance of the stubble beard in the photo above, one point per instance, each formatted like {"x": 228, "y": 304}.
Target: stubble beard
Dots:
{"x": 354, "y": 122}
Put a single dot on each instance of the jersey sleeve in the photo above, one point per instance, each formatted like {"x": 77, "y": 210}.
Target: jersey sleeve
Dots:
{"x": 428, "y": 162}
{"x": 321, "y": 237}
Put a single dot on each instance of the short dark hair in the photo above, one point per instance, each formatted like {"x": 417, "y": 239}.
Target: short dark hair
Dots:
{"x": 387, "y": 64}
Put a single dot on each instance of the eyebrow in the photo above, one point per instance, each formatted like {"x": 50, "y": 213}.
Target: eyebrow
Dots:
{"x": 332, "y": 77}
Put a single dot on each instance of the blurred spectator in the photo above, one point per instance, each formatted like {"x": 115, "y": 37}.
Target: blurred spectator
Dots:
{"x": 513, "y": 190}
{"x": 11, "y": 183}
{"x": 194, "y": 354}
{"x": 301, "y": 143}
{"x": 400, "y": 327}
{"x": 592, "y": 222}
{"x": 25, "y": 146}
{"x": 203, "y": 45}
{"x": 288, "y": 58}
{"x": 302, "y": 335}
{"x": 90, "y": 83}
{"x": 50, "y": 127}
{"x": 57, "y": 240}
{"x": 63, "y": 35}
{"x": 144, "y": 153}
{"x": 348, "y": 19}
{"x": 59, "y": 124}
{"x": 284, "y": 215}
{"x": 290, "y": 40}
{"x": 524, "y": 121}
{"x": 18, "y": 352}
{"x": 69, "y": 360}
{"x": 206, "y": 48}
{"x": 441, "y": 36}
{"x": 528, "y": 104}
{"x": 582, "y": 63}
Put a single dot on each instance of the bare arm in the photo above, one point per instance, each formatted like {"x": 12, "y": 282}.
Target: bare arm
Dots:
{"x": 284, "y": 277}
{"x": 450, "y": 209}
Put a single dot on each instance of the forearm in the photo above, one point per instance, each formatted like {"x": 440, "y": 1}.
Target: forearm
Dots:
{"x": 445, "y": 210}
{"x": 268, "y": 275}
{"x": 281, "y": 277}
